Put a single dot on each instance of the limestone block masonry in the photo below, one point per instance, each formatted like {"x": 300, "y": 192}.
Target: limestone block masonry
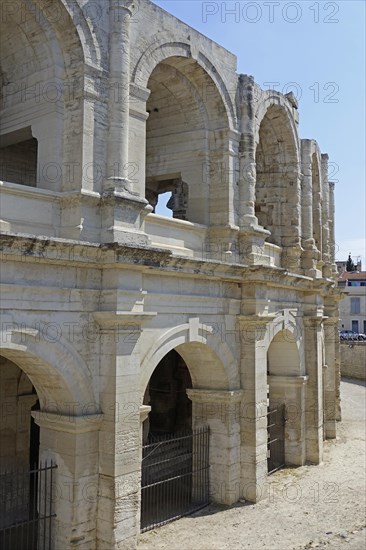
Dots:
{"x": 353, "y": 360}
{"x": 113, "y": 314}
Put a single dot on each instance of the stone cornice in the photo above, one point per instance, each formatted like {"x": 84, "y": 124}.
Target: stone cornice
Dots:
{"x": 54, "y": 250}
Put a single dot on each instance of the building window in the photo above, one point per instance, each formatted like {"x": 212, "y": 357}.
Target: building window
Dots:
{"x": 355, "y": 305}
{"x": 355, "y": 326}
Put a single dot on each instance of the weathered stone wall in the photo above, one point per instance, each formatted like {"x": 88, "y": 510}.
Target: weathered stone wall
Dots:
{"x": 353, "y": 360}
{"x": 93, "y": 301}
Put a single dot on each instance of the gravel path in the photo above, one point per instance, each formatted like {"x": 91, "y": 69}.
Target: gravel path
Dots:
{"x": 309, "y": 507}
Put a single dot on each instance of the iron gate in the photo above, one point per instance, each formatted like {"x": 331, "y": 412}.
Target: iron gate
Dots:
{"x": 276, "y": 438}
{"x": 175, "y": 477}
{"x": 26, "y": 508}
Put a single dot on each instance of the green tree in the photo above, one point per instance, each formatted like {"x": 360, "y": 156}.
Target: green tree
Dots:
{"x": 350, "y": 266}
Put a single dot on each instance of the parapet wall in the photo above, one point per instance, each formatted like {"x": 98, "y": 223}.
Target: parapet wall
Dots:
{"x": 353, "y": 360}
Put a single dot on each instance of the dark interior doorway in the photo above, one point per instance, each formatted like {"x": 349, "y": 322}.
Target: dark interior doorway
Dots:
{"x": 171, "y": 410}
{"x": 175, "y": 459}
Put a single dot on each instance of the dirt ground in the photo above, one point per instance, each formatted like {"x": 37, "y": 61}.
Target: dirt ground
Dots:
{"x": 309, "y": 507}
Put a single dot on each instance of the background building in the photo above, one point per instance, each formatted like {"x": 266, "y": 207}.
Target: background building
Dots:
{"x": 352, "y": 308}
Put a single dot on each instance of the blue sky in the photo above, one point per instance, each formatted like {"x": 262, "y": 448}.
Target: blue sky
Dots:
{"x": 317, "y": 50}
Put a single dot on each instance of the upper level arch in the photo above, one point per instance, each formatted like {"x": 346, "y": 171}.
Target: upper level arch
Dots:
{"x": 277, "y": 156}
{"x": 46, "y": 49}
{"x": 163, "y": 49}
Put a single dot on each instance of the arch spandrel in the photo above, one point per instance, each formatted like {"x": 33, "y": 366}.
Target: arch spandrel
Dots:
{"x": 204, "y": 354}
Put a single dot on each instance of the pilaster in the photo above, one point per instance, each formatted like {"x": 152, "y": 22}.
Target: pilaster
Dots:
{"x": 331, "y": 376}
{"x": 120, "y": 436}
{"x": 72, "y": 443}
{"x": 290, "y": 391}
{"x": 253, "y": 418}
{"x": 123, "y": 209}
{"x": 314, "y": 390}
{"x": 220, "y": 410}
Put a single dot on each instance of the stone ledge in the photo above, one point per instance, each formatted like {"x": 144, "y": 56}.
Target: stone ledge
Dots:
{"x": 287, "y": 380}
{"x": 215, "y": 396}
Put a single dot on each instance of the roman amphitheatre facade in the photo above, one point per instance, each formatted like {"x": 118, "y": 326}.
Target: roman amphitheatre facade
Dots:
{"x": 145, "y": 356}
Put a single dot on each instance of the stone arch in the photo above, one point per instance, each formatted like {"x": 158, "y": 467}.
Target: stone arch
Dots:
{"x": 288, "y": 328}
{"x": 277, "y": 205}
{"x": 286, "y": 385}
{"x": 210, "y": 362}
{"x": 87, "y": 19}
{"x": 43, "y": 62}
{"x": 187, "y": 140}
{"x": 157, "y": 53}
{"x": 283, "y": 354}
{"x": 59, "y": 375}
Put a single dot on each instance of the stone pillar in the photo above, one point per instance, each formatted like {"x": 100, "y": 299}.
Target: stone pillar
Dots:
{"x": 253, "y": 418}
{"x": 120, "y": 12}
{"x": 325, "y": 216}
{"x": 251, "y": 236}
{"x": 247, "y": 179}
{"x": 72, "y": 443}
{"x": 314, "y": 390}
{"x": 290, "y": 391}
{"x": 48, "y": 130}
{"x": 332, "y": 250}
{"x": 291, "y": 219}
{"x": 220, "y": 410}
{"x": 120, "y": 433}
{"x": 309, "y": 254}
{"x": 331, "y": 342}
{"x": 122, "y": 207}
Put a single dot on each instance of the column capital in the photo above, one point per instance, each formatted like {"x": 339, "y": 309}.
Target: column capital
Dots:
{"x": 122, "y": 319}
{"x": 125, "y": 6}
{"x": 256, "y": 319}
{"x": 215, "y": 396}
{"x": 144, "y": 412}
{"x": 331, "y": 321}
{"x": 67, "y": 423}
{"x": 313, "y": 321}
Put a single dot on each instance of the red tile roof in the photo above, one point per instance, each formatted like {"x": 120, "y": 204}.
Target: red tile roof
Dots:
{"x": 353, "y": 276}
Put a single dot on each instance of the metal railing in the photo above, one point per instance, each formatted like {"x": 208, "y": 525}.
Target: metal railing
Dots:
{"x": 26, "y": 508}
{"x": 175, "y": 477}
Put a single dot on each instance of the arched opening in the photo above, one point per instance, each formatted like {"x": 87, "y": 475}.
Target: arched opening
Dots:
{"x": 166, "y": 393}
{"x": 277, "y": 173}
{"x": 174, "y": 456}
{"x": 317, "y": 202}
{"x": 186, "y": 149}
{"x": 19, "y": 454}
{"x": 31, "y": 100}
{"x": 285, "y": 400}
